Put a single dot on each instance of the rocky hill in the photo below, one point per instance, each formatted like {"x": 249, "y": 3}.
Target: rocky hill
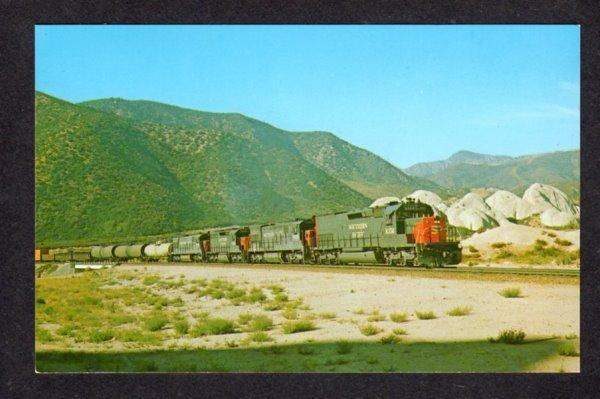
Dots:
{"x": 465, "y": 170}
{"x": 360, "y": 169}
{"x": 461, "y": 157}
{"x": 541, "y": 204}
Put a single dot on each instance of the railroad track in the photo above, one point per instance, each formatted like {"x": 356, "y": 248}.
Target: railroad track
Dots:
{"x": 448, "y": 269}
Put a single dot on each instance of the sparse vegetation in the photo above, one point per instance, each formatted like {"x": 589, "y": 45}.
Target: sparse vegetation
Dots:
{"x": 260, "y": 323}
{"x": 568, "y": 349}
{"x": 398, "y": 317}
{"x": 460, "y": 311}
{"x": 562, "y": 243}
{"x": 327, "y": 315}
{"x": 370, "y": 329}
{"x": 512, "y": 292}
{"x": 260, "y": 336}
{"x": 376, "y": 316}
{"x": 571, "y": 336}
{"x": 425, "y": 315}
{"x": 512, "y": 337}
{"x": 472, "y": 249}
{"x": 182, "y": 326}
{"x": 399, "y": 331}
{"x": 306, "y": 350}
{"x": 101, "y": 336}
{"x": 499, "y": 245}
{"x": 290, "y": 314}
{"x": 296, "y": 326}
{"x": 213, "y": 326}
{"x": 151, "y": 280}
{"x": 390, "y": 339}
{"x": 343, "y": 347}
{"x": 156, "y": 322}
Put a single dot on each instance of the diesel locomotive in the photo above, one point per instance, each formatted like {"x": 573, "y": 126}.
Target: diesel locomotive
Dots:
{"x": 405, "y": 233}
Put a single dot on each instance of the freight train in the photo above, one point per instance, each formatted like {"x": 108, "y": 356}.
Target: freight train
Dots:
{"x": 404, "y": 233}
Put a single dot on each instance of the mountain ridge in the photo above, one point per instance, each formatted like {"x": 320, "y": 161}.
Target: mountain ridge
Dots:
{"x": 515, "y": 174}
{"x": 114, "y": 170}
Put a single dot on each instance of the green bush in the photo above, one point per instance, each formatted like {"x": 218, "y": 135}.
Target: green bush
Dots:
{"x": 101, "y": 336}
{"x": 343, "y": 347}
{"x": 272, "y": 305}
{"x": 562, "y": 243}
{"x": 151, "y": 280}
{"x": 290, "y": 314}
{"x": 306, "y": 350}
{"x": 375, "y": 316}
{"x": 260, "y": 323}
{"x": 511, "y": 337}
{"x": 67, "y": 331}
{"x": 327, "y": 315}
{"x": 182, "y": 327}
{"x": 155, "y": 323}
{"x": 134, "y": 335}
{"x": 473, "y": 250}
{"x": 513, "y": 292}
{"x": 260, "y": 336}
{"x": 281, "y": 297}
{"x": 399, "y": 331}
{"x": 499, "y": 245}
{"x": 398, "y": 317}
{"x": 460, "y": 311}
{"x": 255, "y": 295}
{"x": 389, "y": 339}
{"x": 370, "y": 329}
{"x": 296, "y": 326}
{"x": 245, "y": 318}
{"x": 568, "y": 349}
{"x": 425, "y": 315}
{"x": 276, "y": 288}
{"x": 42, "y": 335}
{"x": 214, "y": 326}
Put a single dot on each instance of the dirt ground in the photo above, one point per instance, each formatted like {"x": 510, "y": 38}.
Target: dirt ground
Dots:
{"x": 542, "y": 310}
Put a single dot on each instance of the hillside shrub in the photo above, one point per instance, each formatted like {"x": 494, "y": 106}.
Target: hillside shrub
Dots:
{"x": 512, "y": 292}
{"x": 213, "y": 326}
{"x": 512, "y": 337}
{"x": 296, "y": 326}
{"x": 398, "y": 317}
{"x": 370, "y": 329}
{"x": 425, "y": 315}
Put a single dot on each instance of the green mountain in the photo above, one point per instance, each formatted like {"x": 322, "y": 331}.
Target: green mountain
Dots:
{"x": 360, "y": 169}
{"x": 96, "y": 176}
{"x": 424, "y": 169}
{"x": 114, "y": 169}
{"x": 560, "y": 169}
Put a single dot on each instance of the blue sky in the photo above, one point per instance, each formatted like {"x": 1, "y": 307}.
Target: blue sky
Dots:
{"x": 407, "y": 93}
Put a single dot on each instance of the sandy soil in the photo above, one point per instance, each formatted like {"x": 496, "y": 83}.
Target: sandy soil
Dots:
{"x": 519, "y": 236}
{"x": 543, "y": 310}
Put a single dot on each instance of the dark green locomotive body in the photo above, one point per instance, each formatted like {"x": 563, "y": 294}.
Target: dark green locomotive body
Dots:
{"x": 377, "y": 235}
{"x": 279, "y": 242}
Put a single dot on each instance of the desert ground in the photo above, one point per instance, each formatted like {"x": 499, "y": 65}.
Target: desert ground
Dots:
{"x": 275, "y": 319}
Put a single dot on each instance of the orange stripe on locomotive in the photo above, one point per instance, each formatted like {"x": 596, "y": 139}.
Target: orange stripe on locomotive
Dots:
{"x": 431, "y": 229}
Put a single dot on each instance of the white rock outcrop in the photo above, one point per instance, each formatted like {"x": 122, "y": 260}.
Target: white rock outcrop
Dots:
{"x": 554, "y": 207}
{"x": 509, "y": 205}
{"x": 383, "y": 201}
{"x": 471, "y": 212}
